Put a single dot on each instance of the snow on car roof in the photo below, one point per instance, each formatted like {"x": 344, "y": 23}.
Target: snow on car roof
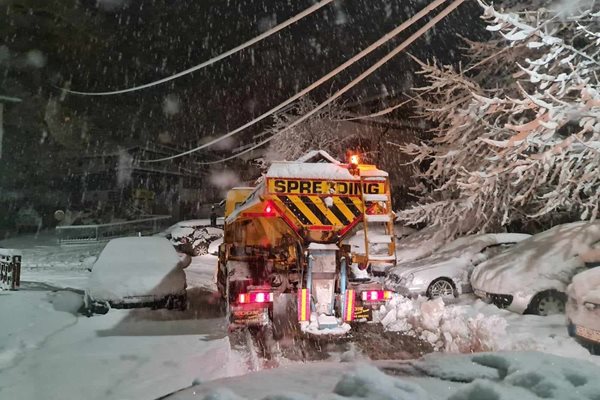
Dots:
{"x": 419, "y": 244}
{"x": 186, "y": 227}
{"x": 544, "y": 261}
{"x": 483, "y": 240}
{"x": 458, "y": 252}
{"x": 136, "y": 266}
{"x": 584, "y": 298}
{"x": 586, "y": 286}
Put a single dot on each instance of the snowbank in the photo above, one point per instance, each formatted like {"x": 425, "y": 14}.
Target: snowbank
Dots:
{"x": 474, "y": 326}
{"x": 483, "y": 376}
{"x": 509, "y": 376}
{"x": 447, "y": 328}
{"x": 135, "y": 267}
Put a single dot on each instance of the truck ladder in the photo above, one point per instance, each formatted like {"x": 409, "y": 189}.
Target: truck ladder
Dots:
{"x": 380, "y": 212}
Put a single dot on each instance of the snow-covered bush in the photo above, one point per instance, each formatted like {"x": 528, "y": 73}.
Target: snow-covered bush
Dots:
{"x": 518, "y": 129}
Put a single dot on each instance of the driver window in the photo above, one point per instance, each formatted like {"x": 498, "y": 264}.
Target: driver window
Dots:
{"x": 494, "y": 250}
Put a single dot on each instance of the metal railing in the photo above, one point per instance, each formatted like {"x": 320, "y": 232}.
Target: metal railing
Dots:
{"x": 101, "y": 232}
{"x": 10, "y": 269}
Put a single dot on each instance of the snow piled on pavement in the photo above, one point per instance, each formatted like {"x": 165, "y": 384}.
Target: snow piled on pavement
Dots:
{"x": 481, "y": 376}
{"x": 519, "y": 375}
{"x": 447, "y": 328}
{"x": 474, "y": 326}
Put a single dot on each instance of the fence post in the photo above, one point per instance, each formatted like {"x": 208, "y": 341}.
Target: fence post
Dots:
{"x": 10, "y": 270}
{"x": 16, "y": 272}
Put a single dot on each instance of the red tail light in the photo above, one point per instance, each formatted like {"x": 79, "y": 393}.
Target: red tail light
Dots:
{"x": 255, "y": 297}
{"x": 269, "y": 209}
{"x": 376, "y": 295}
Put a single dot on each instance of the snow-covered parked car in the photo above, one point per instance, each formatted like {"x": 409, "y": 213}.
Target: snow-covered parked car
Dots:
{"x": 446, "y": 272}
{"x": 193, "y": 237}
{"x": 532, "y": 277}
{"x": 419, "y": 244}
{"x": 583, "y": 307}
{"x": 137, "y": 272}
{"x": 213, "y": 248}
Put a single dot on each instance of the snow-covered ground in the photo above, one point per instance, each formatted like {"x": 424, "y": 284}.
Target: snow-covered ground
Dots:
{"x": 46, "y": 262}
{"x": 49, "y": 351}
{"x": 483, "y": 376}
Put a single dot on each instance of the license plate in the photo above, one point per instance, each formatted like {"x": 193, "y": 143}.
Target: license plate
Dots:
{"x": 251, "y": 316}
{"x": 362, "y": 313}
{"x": 587, "y": 333}
{"x": 480, "y": 293}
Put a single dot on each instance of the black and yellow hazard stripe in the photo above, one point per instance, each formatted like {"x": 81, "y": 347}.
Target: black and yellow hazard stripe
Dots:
{"x": 312, "y": 210}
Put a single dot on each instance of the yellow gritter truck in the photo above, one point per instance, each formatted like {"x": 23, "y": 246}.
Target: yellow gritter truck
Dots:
{"x": 285, "y": 255}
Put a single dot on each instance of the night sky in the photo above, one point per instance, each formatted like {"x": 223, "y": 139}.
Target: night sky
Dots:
{"x": 117, "y": 44}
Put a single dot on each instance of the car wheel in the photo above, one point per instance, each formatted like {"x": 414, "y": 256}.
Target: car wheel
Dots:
{"x": 98, "y": 307}
{"x": 547, "y": 303}
{"x": 200, "y": 250}
{"x": 441, "y": 287}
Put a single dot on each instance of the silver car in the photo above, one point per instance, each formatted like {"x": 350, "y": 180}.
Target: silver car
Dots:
{"x": 532, "y": 277}
{"x": 446, "y": 272}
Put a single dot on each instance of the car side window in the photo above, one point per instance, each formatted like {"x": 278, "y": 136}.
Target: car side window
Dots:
{"x": 494, "y": 250}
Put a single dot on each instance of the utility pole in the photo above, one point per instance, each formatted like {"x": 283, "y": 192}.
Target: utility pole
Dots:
{"x": 4, "y": 99}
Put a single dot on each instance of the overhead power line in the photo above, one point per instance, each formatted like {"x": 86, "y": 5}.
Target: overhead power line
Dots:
{"x": 355, "y": 82}
{"x": 378, "y": 113}
{"x": 387, "y": 37}
{"x": 213, "y": 60}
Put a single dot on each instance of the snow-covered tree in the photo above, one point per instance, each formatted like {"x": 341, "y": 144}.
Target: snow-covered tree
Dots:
{"x": 321, "y": 131}
{"x": 518, "y": 130}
